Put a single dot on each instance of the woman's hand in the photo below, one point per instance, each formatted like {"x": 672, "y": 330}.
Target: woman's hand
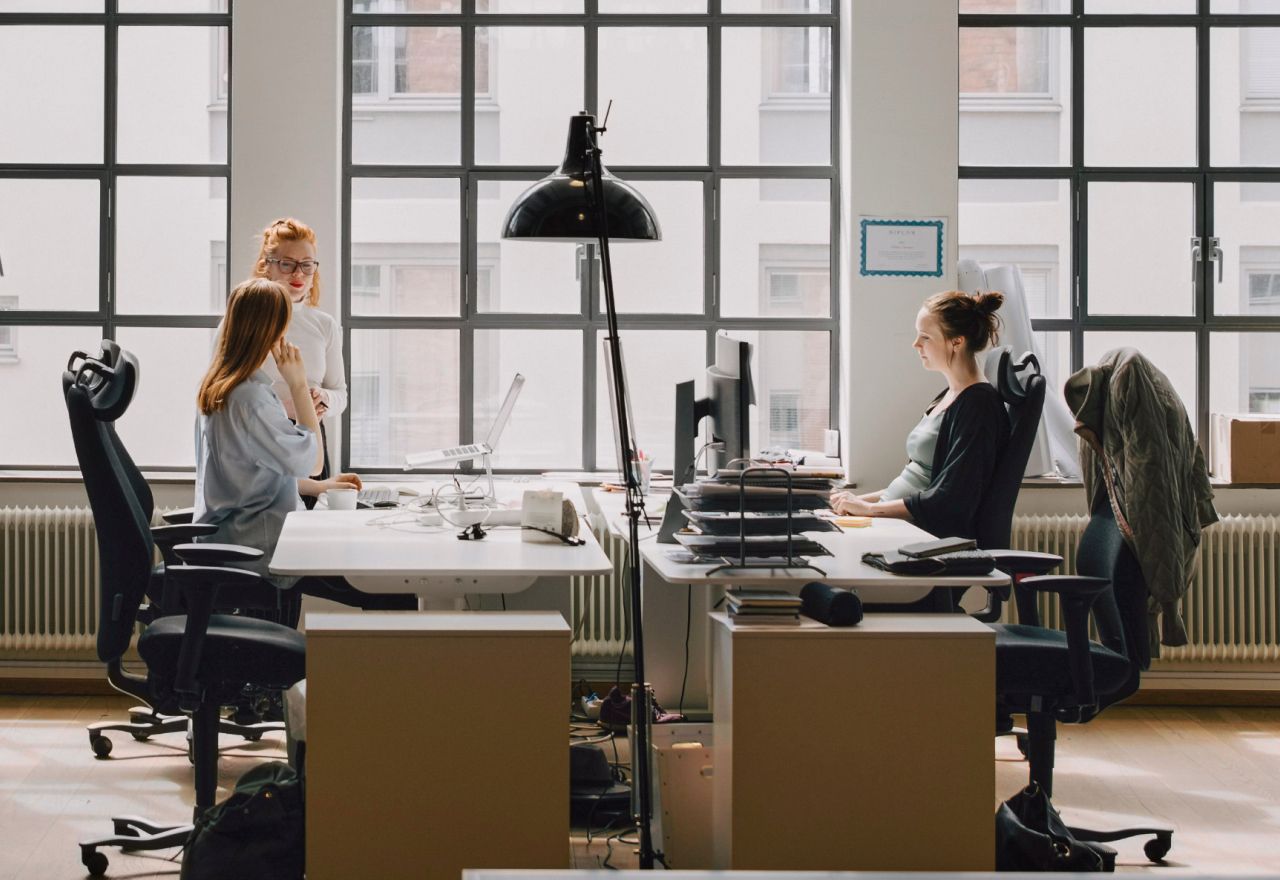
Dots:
{"x": 320, "y": 397}
{"x": 341, "y": 481}
{"x": 289, "y": 362}
{"x": 848, "y": 504}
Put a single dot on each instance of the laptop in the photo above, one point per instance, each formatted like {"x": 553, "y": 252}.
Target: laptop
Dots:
{"x": 472, "y": 450}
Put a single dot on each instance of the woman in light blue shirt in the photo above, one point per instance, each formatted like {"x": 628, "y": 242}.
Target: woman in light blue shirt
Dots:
{"x": 251, "y": 460}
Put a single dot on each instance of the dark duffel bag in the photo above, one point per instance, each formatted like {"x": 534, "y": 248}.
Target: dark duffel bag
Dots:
{"x": 1031, "y": 836}
{"x": 258, "y": 833}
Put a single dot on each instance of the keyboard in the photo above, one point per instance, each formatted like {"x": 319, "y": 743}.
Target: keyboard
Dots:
{"x": 377, "y": 496}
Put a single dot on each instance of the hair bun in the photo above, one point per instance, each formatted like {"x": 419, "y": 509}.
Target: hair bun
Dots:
{"x": 989, "y": 302}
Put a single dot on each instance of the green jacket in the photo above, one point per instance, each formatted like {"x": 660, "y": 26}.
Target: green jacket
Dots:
{"x": 1160, "y": 484}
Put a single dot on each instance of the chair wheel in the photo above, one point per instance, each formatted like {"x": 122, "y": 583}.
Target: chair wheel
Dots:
{"x": 1023, "y": 745}
{"x": 95, "y": 863}
{"x": 253, "y": 737}
{"x": 1157, "y": 848}
{"x": 141, "y": 737}
{"x": 101, "y": 746}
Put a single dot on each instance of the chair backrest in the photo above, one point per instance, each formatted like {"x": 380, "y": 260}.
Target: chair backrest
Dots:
{"x": 1120, "y": 612}
{"x": 97, "y": 393}
{"x": 1022, "y": 388}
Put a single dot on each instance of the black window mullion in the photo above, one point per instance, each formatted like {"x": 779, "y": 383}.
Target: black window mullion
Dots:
{"x": 111, "y": 58}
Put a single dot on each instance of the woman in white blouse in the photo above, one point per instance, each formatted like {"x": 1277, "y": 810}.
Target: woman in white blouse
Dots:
{"x": 288, "y": 256}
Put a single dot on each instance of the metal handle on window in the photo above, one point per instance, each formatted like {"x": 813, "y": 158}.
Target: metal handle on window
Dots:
{"x": 1215, "y": 255}
{"x": 1196, "y": 257}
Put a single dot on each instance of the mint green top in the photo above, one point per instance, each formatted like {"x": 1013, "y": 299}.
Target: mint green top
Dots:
{"x": 921, "y": 443}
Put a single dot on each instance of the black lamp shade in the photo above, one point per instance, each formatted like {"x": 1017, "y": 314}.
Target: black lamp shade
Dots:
{"x": 558, "y": 207}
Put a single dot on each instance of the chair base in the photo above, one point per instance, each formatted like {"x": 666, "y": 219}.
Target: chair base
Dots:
{"x": 1155, "y": 849}
{"x": 132, "y": 834}
{"x": 145, "y": 723}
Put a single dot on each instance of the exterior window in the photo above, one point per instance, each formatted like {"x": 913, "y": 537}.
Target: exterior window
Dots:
{"x": 1264, "y": 400}
{"x": 784, "y": 418}
{"x": 802, "y": 62}
{"x": 8, "y": 333}
{"x": 364, "y": 62}
{"x": 1263, "y": 292}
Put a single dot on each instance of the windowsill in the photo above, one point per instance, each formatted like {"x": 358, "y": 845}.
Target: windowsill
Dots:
{"x": 1011, "y": 104}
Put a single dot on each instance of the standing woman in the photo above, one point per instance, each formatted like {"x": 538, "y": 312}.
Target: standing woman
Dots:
{"x": 288, "y": 256}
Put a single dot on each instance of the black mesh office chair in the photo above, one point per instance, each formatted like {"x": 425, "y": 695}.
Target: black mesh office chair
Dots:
{"x": 1053, "y": 676}
{"x": 196, "y": 662}
{"x": 111, "y": 377}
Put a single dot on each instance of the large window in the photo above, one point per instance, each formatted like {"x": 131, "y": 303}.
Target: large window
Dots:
{"x": 113, "y": 211}
{"x": 1127, "y": 156}
{"x": 723, "y": 120}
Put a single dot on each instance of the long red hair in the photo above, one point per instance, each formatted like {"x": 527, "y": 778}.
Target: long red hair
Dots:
{"x": 258, "y": 313}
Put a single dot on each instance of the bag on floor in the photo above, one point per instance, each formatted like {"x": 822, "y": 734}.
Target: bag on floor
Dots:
{"x": 255, "y": 834}
{"x": 1031, "y": 836}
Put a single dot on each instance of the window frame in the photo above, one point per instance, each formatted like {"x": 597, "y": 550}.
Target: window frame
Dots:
{"x": 107, "y": 317}
{"x": 589, "y": 319}
{"x": 1203, "y": 321}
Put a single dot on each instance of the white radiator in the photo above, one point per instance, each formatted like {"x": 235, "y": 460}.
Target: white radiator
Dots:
{"x": 48, "y": 579}
{"x": 1231, "y": 611}
{"x": 599, "y": 603}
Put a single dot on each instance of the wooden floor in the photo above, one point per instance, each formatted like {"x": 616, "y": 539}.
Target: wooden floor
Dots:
{"x": 1213, "y": 773}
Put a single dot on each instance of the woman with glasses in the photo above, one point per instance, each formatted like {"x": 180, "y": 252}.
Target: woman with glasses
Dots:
{"x": 288, "y": 257}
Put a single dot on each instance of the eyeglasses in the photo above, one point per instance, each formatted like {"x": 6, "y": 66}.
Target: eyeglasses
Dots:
{"x": 288, "y": 267}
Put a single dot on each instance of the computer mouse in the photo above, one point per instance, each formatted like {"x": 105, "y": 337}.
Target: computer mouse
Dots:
{"x": 386, "y": 504}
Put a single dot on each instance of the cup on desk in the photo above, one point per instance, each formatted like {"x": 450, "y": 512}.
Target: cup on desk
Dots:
{"x": 342, "y": 499}
{"x": 643, "y": 470}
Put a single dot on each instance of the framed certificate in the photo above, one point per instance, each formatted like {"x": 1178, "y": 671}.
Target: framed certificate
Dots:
{"x": 903, "y": 247}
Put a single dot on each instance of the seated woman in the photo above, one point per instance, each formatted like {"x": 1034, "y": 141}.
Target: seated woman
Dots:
{"x": 954, "y": 449}
{"x": 251, "y": 459}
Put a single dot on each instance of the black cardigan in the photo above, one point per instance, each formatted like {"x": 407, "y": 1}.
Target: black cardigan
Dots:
{"x": 972, "y": 438}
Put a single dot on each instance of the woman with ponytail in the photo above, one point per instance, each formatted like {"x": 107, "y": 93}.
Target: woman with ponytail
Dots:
{"x": 954, "y": 448}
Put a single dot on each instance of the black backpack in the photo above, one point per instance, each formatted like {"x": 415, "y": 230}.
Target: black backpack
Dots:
{"x": 258, "y": 833}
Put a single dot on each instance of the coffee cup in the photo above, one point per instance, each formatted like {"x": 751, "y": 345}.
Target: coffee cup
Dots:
{"x": 342, "y": 499}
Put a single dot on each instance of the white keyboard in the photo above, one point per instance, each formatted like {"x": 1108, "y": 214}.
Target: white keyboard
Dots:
{"x": 377, "y": 496}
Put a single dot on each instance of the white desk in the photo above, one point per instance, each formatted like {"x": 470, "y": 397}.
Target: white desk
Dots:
{"x": 426, "y": 560}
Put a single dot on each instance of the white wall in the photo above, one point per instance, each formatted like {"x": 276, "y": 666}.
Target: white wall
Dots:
{"x": 286, "y": 132}
{"x": 901, "y": 88}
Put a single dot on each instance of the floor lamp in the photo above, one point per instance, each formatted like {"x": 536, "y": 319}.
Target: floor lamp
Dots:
{"x": 581, "y": 202}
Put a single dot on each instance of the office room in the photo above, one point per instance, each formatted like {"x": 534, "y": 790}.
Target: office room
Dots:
{"x": 498, "y": 436}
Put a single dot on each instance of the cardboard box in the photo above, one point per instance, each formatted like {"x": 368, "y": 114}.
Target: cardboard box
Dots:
{"x": 1245, "y": 448}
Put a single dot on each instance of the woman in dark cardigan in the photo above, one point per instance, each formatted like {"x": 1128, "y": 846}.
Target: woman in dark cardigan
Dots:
{"x": 954, "y": 449}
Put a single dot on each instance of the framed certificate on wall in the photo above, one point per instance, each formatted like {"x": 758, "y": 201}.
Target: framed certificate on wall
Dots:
{"x": 903, "y": 247}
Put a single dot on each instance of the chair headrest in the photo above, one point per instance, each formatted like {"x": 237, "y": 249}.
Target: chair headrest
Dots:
{"x": 110, "y": 379}
{"x": 1011, "y": 377}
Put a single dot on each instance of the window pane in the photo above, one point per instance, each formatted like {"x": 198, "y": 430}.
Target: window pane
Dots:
{"x": 667, "y": 275}
{"x": 545, "y": 430}
{"x": 775, "y": 248}
{"x": 51, "y": 5}
{"x": 1244, "y": 6}
{"x": 657, "y": 80}
{"x": 171, "y": 360}
{"x": 522, "y": 276}
{"x": 790, "y": 7}
{"x": 167, "y": 224}
{"x": 776, "y": 96}
{"x": 1138, "y": 7}
{"x": 1245, "y": 106}
{"x": 404, "y": 394}
{"x": 1140, "y": 96}
{"x": 442, "y": 6}
{"x": 1174, "y": 354}
{"x": 49, "y": 243}
{"x": 51, "y": 94}
{"x": 1022, "y": 222}
{"x": 1019, "y": 7}
{"x": 534, "y": 84}
{"x": 656, "y": 360}
{"x": 656, "y": 7}
{"x": 173, "y": 5}
{"x": 528, "y": 7}
{"x": 1015, "y": 96}
{"x": 190, "y": 125}
{"x": 1246, "y": 220}
{"x": 1139, "y": 257}
{"x": 406, "y": 106}
{"x": 1053, "y": 350}
{"x": 31, "y": 363}
{"x": 1244, "y": 373}
{"x": 792, "y": 375}
{"x": 411, "y": 229}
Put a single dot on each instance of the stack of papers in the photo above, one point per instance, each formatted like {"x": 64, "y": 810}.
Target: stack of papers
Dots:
{"x": 763, "y": 606}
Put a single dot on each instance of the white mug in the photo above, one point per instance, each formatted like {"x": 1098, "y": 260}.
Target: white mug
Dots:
{"x": 342, "y": 499}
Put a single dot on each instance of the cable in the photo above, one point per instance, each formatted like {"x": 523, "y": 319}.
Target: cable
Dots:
{"x": 688, "y": 621}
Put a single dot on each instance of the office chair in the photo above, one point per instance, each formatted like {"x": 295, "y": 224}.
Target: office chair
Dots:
{"x": 111, "y": 378}
{"x": 1054, "y": 676}
{"x": 196, "y": 662}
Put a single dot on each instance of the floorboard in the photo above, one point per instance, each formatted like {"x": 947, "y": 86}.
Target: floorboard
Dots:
{"x": 1214, "y": 773}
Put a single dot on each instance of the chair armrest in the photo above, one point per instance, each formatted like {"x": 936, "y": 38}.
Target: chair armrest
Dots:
{"x": 216, "y": 554}
{"x": 179, "y": 517}
{"x": 200, "y": 586}
{"x": 182, "y": 532}
{"x": 1076, "y": 595}
{"x": 1016, "y": 562}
